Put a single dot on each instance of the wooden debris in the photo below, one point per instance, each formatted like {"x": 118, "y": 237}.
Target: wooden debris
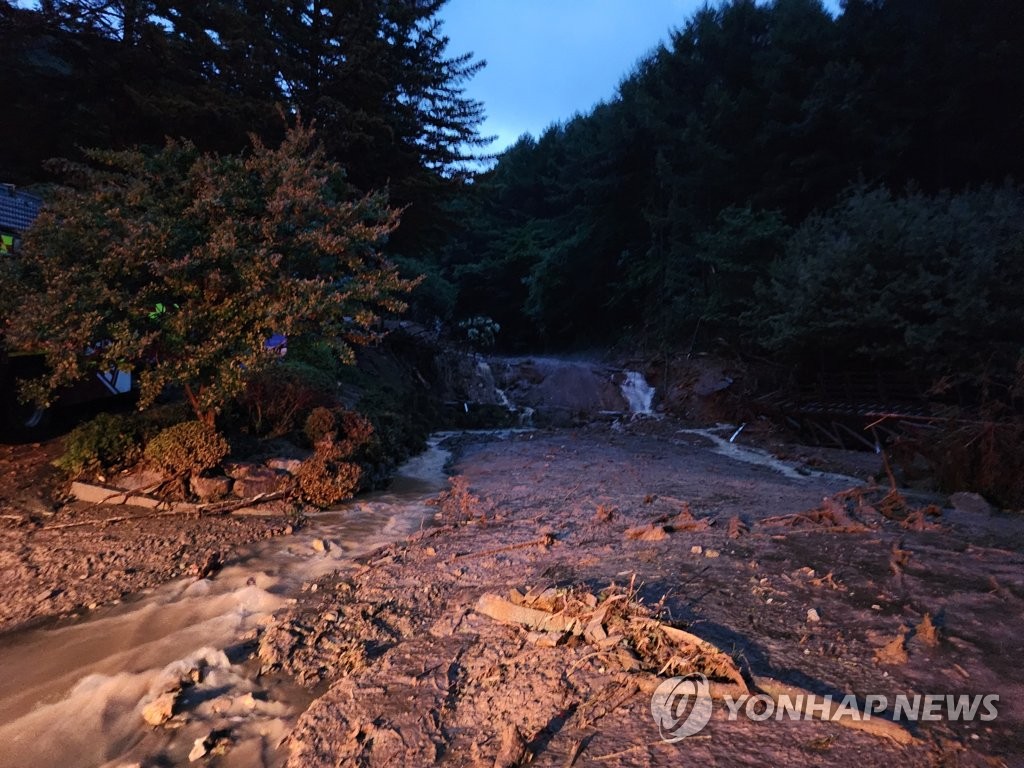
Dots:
{"x": 874, "y": 725}
{"x": 926, "y": 632}
{"x": 894, "y": 653}
{"x": 544, "y": 541}
{"x": 507, "y": 612}
{"x": 737, "y": 527}
{"x": 647, "y": 533}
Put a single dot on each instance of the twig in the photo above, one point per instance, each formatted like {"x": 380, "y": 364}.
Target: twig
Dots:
{"x": 210, "y": 509}
{"x": 121, "y": 519}
{"x": 888, "y": 470}
{"x": 574, "y": 753}
{"x": 544, "y": 541}
{"x": 572, "y": 491}
{"x": 620, "y": 753}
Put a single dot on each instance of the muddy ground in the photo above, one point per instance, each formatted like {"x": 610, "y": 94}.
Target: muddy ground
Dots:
{"x": 405, "y": 671}
{"x": 409, "y": 673}
{"x": 61, "y": 558}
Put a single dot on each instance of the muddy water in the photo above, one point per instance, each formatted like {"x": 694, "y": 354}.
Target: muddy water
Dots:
{"x": 73, "y": 694}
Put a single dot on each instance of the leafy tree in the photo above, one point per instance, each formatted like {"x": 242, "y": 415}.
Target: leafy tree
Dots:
{"x": 179, "y": 265}
{"x": 917, "y": 282}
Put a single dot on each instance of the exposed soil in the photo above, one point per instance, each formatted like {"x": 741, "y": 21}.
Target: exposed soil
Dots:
{"x": 409, "y": 673}
{"x": 59, "y": 557}
{"x": 406, "y": 672}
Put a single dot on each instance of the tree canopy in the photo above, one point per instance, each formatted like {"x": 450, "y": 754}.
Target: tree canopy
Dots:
{"x": 375, "y": 76}
{"x": 746, "y": 166}
{"x": 179, "y": 265}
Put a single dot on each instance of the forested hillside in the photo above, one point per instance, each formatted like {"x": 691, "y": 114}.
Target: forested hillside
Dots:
{"x": 831, "y": 191}
{"x": 374, "y": 76}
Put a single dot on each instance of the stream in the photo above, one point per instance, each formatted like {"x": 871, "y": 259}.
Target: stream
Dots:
{"x": 73, "y": 694}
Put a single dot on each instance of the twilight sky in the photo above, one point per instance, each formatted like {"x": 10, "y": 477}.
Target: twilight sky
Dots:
{"x": 549, "y": 59}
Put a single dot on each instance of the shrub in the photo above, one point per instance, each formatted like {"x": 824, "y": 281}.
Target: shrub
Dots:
{"x": 318, "y": 353}
{"x": 189, "y": 447}
{"x": 277, "y": 400}
{"x": 320, "y": 425}
{"x": 109, "y": 441}
{"x": 182, "y": 261}
{"x": 325, "y": 478}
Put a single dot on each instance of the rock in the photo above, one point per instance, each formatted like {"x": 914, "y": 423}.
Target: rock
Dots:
{"x": 236, "y": 470}
{"x": 512, "y": 748}
{"x": 161, "y": 709}
{"x": 696, "y": 549}
{"x": 291, "y": 466}
{"x": 199, "y": 749}
{"x": 712, "y": 553}
{"x": 140, "y": 480}
{"x": 210, "y": 488}
{"x": 321, "y": 545}
{"x": 46, "y": 594}
{"x": 812, "y": 616}
{"x": 258, "y": 479}
{"x": 972, "y": 503}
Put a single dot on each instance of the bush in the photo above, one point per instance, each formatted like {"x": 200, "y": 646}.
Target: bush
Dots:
{"x": 924, "y": 283}
{"x": 109, "y": 441}
{"x": 325, "y": 478}
{"x": 317, "y": 353}
{"x": 276, "y": 401}
{"x": 321, "y": 424}
{"x": 187, "y": 448}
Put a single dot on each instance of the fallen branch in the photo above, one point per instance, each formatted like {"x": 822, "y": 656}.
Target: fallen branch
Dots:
{"x": 873, "y": 725}
{"x": 207, "y": 509}
{"x": 500, "y": 609}
{"x": 544, "y": 541}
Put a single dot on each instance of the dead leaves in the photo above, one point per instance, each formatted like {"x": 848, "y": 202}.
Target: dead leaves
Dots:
{"x": 861, "y": 509}
{"x": 737, "y": 528}
{"x": 659, "y": 529}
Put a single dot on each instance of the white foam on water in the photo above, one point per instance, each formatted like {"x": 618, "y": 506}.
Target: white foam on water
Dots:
{"x": 638, "y": 394}
{"x": 72, "y": 695}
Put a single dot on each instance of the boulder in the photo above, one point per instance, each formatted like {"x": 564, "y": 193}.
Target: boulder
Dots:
{"x": 291, "y": 466}
{"x": 258, "y": 480}
{"x": 211, "y": 488}
{"x": 972, "y": 503}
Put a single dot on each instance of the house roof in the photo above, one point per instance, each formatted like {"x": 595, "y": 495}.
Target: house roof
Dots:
{"x": 17, "y": 209}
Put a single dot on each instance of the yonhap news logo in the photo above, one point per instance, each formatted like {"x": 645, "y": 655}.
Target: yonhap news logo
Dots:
{"x": 682, "y": 707}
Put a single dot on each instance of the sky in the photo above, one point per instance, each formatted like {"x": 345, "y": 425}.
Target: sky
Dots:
{"x": 550, "y": 59}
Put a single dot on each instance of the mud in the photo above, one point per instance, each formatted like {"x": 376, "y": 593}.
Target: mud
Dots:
{"x": 62, "y": 559}
{"x": 405, "y": 671}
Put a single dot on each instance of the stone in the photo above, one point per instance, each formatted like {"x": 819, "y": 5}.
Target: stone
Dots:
{"x": 972, "y": 503}
{"x": 199, "y": 749}
{"x": 161, "y": 709}
{"x": 259, "y": 480}
{"x": 321, "y": 545}
{"x": 142, "y": 480}
{"x": 812, "y": 616}
{"x": 291, "y": 466}
{"x": 239, "y": 469}
{"x": 211, "y": 488}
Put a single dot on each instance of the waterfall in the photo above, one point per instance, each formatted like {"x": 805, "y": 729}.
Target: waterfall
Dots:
{"x": 637, "y": 393}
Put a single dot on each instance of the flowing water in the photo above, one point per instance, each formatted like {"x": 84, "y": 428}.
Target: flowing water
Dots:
{"x": 638, "y": 394}
{"x": 73, "y": 694}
